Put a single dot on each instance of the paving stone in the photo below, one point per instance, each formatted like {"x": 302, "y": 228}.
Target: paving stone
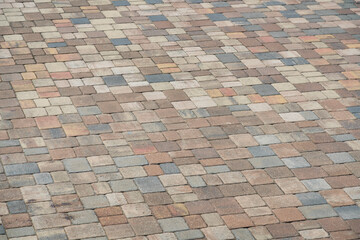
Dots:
{"x": 173, "y": 224}
{"x": 85, "y": 111}
{"x": 21, "y": 169}
{"x": 149, "y": 184}
{"x": 155, "y": 78}
{"x": 121, "y": 3}
{"x": 311, "y": 198}
{"x": 84, "y": 231}
{"x": 266, "y": 139}
{"x": 129, "y": 161}
{"x": 20, "y": 232}
{"x": 227, "y": 57}
{"x": 123, "y": 185}
{"x": 296, "y": 162}
{"x": 195, "y": 181}
{"x": 75, "y": 165}
{"x": 116, "y": 80}
{"x": 92, "y": 202}
{"x": 210, "y": 119}
{"x": 145, "y": 226}
{"x": 265, "y": 90}
{"x": 16, "y": 207}
{"x": 348, "y": 212}
{"x": 316, "y": 184}
{"x": 120, "y": 41}
{"x": 220, "y": 232}
{"x": 80, "y": 21}
{"x": 242, "y": 233}
{"x": 342, "y": 157}
{"x": 189, "y": 234}
{"x": 83, "y": 217}
{"x": 318, "y": 211}
{"x": 266, "y": 162}
{"x": 261, "y": 151}
{"x": 169, "y": 168}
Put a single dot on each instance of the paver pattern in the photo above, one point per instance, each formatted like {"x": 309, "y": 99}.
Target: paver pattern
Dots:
{"x": 179, "y": 119}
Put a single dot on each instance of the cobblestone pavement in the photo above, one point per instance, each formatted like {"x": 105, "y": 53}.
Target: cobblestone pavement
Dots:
{"x": 179, "y": 119}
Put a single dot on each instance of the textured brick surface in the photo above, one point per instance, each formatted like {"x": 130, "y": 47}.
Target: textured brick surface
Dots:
{"x": 187, "y": 119}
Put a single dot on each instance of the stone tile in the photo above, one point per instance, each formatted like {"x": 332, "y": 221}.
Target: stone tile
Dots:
{"x": 84, "y": 231}
{"x": 173, "y": 224}
{"x": 149, "y": 184}
{"x": 311, "y": 198}
{"x": 219, "y": 232}
{"x": 316, "y": 184}
{"x": 266, "y": 162}
{"x": 145, "y": 226}
{"x": 21, "y": 169}
{"x": 341, "y": 157}
{"x": 208, "y": 119}
{"x": 75, "y": 165}
{"x": 16, "y": 207}
{"x": 318, "y": 211}
{"x": 348, "y": 212}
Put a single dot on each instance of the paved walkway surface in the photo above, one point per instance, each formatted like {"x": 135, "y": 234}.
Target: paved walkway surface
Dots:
{"x": 179, "y": 119}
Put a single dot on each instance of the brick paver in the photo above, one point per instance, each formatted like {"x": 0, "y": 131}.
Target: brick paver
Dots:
{"x": 179, "y": 119}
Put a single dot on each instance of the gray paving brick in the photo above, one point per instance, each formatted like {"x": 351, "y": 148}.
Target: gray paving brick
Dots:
{"x": 43, "y": 178}
{"x": 91, "y": 110}
{"x": 35, "y": 151}
{"x": 311, "y": 198}
{"x": 154, "y": 127}
{"x": 341, "y": 157}
{"x": 173, "y": 224}
{"x": 242, "y": 233}
{"x": 189, "y": 234}
{"x": 16, "y": 206}
{"x": 227, "y": 58}
{"x": 70, "y": 118}
{"x": 73, "y": 165}
{"x": 318, "y": 211}
{"x": 169, "y": 168}
{"x": 349, "y": 212}
{"x": 316, "y": 184}
{"x": 159, "y": 78}
{"x": 53, "y": 133}
{"x": 116, "y": 80}
{"x": 21, "y": 169}
{"x": 196, "y": 181}
{"x": 93, "y": 202}
{"x": 265, "y": 90}
{"x": 106, "y": 169}
{"x": 266, "y": 162}
{"x": 99, "y": 128}
{"x": 9, "y": 143}
{"x": 296, "y": 162}
{"x": 129, "y": 161}
{"x": 123, "y": 185}
{"x": 261, "y": 151}
{"x": 149, "y": 184}
{"x": 266, "y": 139}
{"x": 20, "y": 232}
{"x": 213, "y": 133}
{"x": 217, "y": 169}
{"x": 343, "y": 137}
{"x": 21, "y": 181}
